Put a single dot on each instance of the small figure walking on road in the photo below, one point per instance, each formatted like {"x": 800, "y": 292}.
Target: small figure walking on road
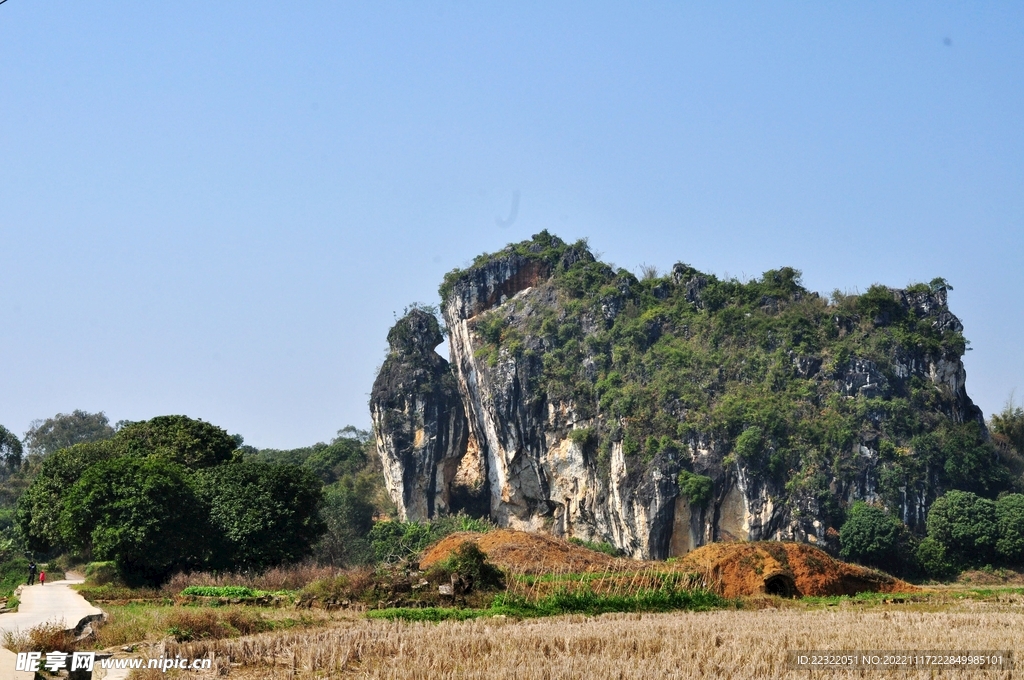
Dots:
{"x": 42, "y": 578}
{"x": 31, "y": 573}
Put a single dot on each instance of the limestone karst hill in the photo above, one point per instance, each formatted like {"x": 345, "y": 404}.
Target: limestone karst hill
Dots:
{"x": 667, "y": 413}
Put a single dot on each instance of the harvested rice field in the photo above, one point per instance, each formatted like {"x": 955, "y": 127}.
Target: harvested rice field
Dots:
{"x": 748, "y": 643}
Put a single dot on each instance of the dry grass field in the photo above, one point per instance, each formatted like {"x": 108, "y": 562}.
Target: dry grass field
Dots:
{"x": 747, "y": 643}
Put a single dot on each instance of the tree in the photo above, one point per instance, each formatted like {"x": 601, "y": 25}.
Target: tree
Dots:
{"x": 44, "y": 437}
{"x": 41, "y": 506}
{"x": 191, "y": 443}
{"x": 1010, "y": 515}
{"x": 1010, "y": 424}
{"x": 344, "y": 456}
{"x": 142, "y": 513}
{"x": 931, "y": 556}
{"x": 965, "y": 525}
{"x": 10, "y": 450}
{"x": 347, "y": 513}
{"x": 1008, "y": 434}
{"x": 971, "y": 463}
{"x": 264, "y": 514}
{"x": 872, "y": 536}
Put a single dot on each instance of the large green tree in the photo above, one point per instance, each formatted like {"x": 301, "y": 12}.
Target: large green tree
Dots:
{"x": 264, "y": 514}
{"x": 1010, "y": 515}
{"x": 191, "y": 443}
{"x": 142, "y": 513}
{"x": 40, "y": 507}
{"x": 872, "y": 536}
{"x": 965, "y": 525}
{"x": 45, "y": 437}
{"x": 175, "y": 439}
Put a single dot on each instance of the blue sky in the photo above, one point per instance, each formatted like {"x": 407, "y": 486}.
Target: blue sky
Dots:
{"x": 217, "y": 209}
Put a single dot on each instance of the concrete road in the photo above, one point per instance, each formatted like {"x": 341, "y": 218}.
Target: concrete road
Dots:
{"x": 42, "y": 604}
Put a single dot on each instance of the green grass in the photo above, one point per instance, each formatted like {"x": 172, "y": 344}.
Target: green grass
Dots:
{"x": 603, "y": 547}
{"x": 580, "y": 601}
{"x": 230, "y": 591}
{"x": 434, "y": 614}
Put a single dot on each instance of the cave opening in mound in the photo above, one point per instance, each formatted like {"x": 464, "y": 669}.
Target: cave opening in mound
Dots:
{"x": 781, "y": 585}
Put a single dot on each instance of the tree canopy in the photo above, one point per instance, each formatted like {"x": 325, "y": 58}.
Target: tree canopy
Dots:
{"x": 192, "y": 443}
{"x": 965, "y": 524}
{"x": 872, "y": 536}
{"x": 142, "y": 513}
{"x": 45, "y": 437}
{"x": 263, "y": 513}
{"x": 10, "y": 450}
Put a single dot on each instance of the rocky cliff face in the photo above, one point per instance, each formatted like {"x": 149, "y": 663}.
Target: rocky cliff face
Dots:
{"x": 420, "y": 425}
{"x": 663, "y": 414}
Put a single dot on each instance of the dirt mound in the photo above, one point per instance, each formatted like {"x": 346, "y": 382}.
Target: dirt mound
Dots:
{"x": 526, "y": 553}
{"x": 786, "y": 569}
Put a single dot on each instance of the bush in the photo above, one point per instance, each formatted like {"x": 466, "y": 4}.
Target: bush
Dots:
{"x": 352, "y": 585}
{"x": 395, "y": 541}
{"x": 1010, "y": 516}
{"x": 347, "y": 512}
{"x": 185, "y": 625}
{"x": 965, "y": 525}
{"x": 696, "y": 488}
{"x": 468, "y": 563}
{"x": 13, "y": 572}
{"x": 873, "y": 537}
{"x": 47, "y": 637}
{"x": 100, "y": 573}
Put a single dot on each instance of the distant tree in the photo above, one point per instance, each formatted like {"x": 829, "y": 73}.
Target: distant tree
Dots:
{"x": 971, "y": 462}
{"x": 265, "y": 514}
{"x": 10, "y": 450}
{"x": 1008, "y": 434}
{"x": 1008, "y": 425}
{"x": 142, "y": 513}
{"x": 1010, "y": 515}
{"x": 66, "y": 429}
{"x": 191, "y": 443}
{"x": 347, "y": 513}
{"x": 345, "y": 456}
{"x": 872, "y": 536}
{"x": 40, "y": 507}
{"x": 965, "y": 525}
{"x": 353, "y": 432}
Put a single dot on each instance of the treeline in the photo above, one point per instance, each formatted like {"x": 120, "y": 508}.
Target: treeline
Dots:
{"x": 963, "y": 530}
{"x": 177, "y": 494}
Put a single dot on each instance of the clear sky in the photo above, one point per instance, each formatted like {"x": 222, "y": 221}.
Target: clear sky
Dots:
{"x": 217, "y": 208}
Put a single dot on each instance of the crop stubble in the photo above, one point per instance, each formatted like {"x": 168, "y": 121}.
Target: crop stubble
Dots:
{"x": 718, "y": 644}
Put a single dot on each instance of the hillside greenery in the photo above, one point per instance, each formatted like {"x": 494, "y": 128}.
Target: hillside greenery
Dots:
{"x": 663, "y": 363}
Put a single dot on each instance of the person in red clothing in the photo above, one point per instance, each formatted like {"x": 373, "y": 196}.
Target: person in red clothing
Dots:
{"x": 42, "y": 578}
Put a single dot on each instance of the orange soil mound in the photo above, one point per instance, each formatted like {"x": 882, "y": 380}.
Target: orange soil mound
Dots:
{"x": 526, "y": 553}
{"x": 788, "y": 569}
